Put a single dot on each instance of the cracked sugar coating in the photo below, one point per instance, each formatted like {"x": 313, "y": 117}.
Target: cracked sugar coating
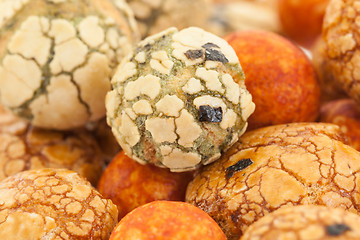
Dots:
{"x": 23, "y": 147}
{"x": 341, "y": 34}
{"x": 159, "y": 89}
{"x": 293, "y": 164}
{"x": 306, "y": 222}
{"x": 57, "y": 57}
{"x": 53, "y": 204}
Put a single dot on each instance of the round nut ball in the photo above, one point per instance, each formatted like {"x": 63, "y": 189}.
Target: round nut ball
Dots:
{"x": 179, "y": 100}
{"x": 277, "y": 166}
{"x": 279, "y": 76}
{"x": 304, "y": 223}
{"x": 24, "y": 147}
{"x": 53, "y": 204}
{"x": 130, "y": 184}
{"x": 167, "y": 220}
{"x": 341, "y": 35}
{"x": 57, "y": 58}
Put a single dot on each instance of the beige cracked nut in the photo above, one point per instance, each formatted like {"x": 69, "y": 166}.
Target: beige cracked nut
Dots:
{"x": 157, "y": 15}
{"x": 304, "y": 223}
{"x": 275, "y": 167}
{"x": 341, "y": 35}
{"x": 179, "y": 100}
{"x": 23, "y": 147}
{"x": 57, "y": 57}
{"x": 53, "y": 204}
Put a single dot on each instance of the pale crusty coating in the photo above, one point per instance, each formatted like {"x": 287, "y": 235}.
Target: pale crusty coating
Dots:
{"x": 304, "y": 223}
{"x": 57, "y": 58}
{"x": 23, "y": 147}
{"x": 153, "y": 16}
{"x": 341, "y": 35}
{"x": 53, "y": 204}
{"x": 274, "y": 167}
{"x": 160, "y": 91}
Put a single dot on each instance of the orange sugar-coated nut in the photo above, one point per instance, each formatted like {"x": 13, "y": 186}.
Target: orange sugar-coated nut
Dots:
{"x": 304, "y": 223}
{"x": 53, "y": 204}
{"x": 346, "y": 114}
{"x": 277, "y": 166}
{"x": 130, "y": 184}
{"x": 302, "y": 20}
{"x": 167, "y": 220}
{"x": 279, "y": 76}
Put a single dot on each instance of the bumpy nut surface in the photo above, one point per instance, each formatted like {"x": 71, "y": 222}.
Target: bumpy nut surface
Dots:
{"x": 277, "y": 166}
{"x": 57, "y": 57}
{"x": 157, "y": 15}
{"x": 341, "y": 34}
{"x": 179, "y": 99}
{"x": 306, "y": 222}
{"x": 53, "y": 204}
{"x": 23, "y": 147}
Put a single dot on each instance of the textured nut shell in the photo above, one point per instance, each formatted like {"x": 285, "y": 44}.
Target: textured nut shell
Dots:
{"x": 53, "y": 204}
{"x": 303, "y": 223}
{"x": 293, "y": 164}
{"x": 57, "y": 58}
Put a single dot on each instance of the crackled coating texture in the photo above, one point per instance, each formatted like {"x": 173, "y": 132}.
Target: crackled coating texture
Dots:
{"x": 167, "y": 220}
{"x": 293, "y": 164}
{"x": 53, "y": 204}
{"x": 341, "y": 35}
{"x": 23, "y": 147}
{"x": 130, "y": 184}
{"x": 346, "y": 114}
{"x": 57, "y": 57}
{"x": 153, "y": 16}
{"x": 304, "y": 223}
{"x": 160, "y": 91}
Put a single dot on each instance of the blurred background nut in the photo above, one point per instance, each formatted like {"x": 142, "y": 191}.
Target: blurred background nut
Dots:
{"x": 274, "y": 167}
{"x": 279, "y": 76}
{"x": 53, "y": 204}
{"x": 129, "y": 184}
{"x": 23, "y": 147}
{"x": 57, "y": 58}
{"x": 304, "y": 223}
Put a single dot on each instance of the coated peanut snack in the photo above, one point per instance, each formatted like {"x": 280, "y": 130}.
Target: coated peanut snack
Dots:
{"x": 275, "y": 167}
{"x": 179, "y": 100}
{"x": 53, "y": 204}
{"x": 306, "y": 222}
{"x": 57, "y": 57}
{"x": 23, "y": 147}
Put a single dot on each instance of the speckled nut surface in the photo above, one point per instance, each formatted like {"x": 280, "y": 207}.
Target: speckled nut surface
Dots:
{"x": 53, "y": 204}
{"x": 23, "y": 147}
{"x": 179, "y": 100}
{"x": 153, "y": 16}
{"x": 304, "y": 223}
{"x": 341, "y": 34}
{"x": 274, "y": 167}
{"x": 57, "y": 57}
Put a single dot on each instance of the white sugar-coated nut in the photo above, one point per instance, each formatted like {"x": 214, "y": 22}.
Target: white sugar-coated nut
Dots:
{"x": 75, "y": 43}
{"x": 184, "y": 113}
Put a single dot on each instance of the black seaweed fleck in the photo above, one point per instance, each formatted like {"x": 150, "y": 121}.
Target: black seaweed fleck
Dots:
{"x": 210, "y": 114}
{"x": 215, "y": 55}
{"x": 194, "y": 54}
{"x": 337, "y": 229}
{"x": 209, "y": 45}
{"x": 240, "y": 165}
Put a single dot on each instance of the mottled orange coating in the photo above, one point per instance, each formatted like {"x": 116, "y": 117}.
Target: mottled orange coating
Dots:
{"x": 293, "y": 164}
{"x": 129, "y": 184}
{"x": 167, "y": 220}
{"x": 53, "y": 204}
{"x": 279, "y": 76}
{"x": 302, "y": 20}
{"x": 304, "y": 223}
{"x": 346, "y": 114}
